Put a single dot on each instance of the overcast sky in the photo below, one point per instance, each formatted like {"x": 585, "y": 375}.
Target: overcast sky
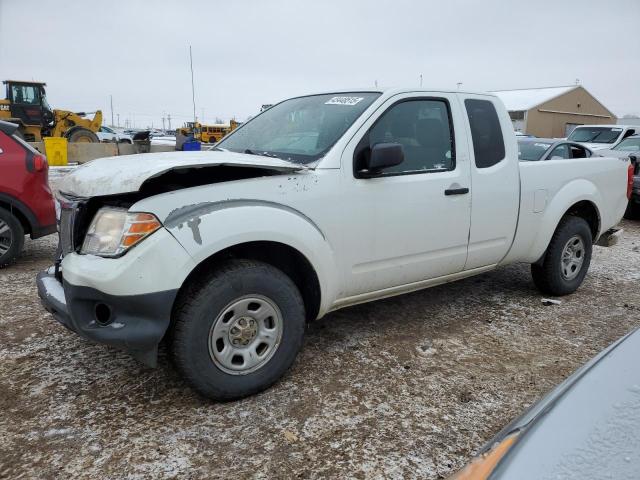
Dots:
{"x": 248, "y": 53}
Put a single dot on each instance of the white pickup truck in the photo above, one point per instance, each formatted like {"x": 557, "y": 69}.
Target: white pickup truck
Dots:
{"x": 318, "y": 203}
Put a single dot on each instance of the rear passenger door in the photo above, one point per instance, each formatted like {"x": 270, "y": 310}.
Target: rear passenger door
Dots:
{"x": 495, "y": 180}
{"x": 410, "y": 222}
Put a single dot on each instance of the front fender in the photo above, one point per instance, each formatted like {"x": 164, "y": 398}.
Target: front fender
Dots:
{"x": 207, "y": 228}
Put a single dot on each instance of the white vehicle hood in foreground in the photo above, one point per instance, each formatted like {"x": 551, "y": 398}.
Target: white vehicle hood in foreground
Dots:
{"x": 127, "y": 173}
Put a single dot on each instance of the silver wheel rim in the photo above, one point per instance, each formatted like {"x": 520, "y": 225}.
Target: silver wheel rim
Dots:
{"x": 572, "y": 258}
{"x": 245, "y": 335}
{"x": 6, "y": 237}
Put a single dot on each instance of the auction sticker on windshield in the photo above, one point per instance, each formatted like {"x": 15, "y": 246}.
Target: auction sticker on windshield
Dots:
{"x": 343, "y": 101}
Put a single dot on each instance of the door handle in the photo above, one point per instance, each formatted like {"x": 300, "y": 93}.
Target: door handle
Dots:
{"x": 456, "y": 191}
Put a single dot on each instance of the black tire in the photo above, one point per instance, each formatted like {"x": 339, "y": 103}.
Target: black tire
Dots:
{"x": 633, "y": 211}
{"x": 12, "y": 237}
{"x": 204, "y": 301}
{"x": 548, "y": 276}
{"x": 82, "y": 135}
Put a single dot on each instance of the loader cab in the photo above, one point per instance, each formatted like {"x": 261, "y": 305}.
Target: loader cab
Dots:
{"x": 28, "y": 102}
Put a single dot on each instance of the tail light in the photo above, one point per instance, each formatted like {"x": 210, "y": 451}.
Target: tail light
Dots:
{"x": 36, "y": 162}
{"x": 40, "y": 163}
{"x": 630, "y": 180}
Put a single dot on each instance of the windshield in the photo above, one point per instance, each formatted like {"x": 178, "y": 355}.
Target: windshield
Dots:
{"x": 532, "y": 151}
{"x": 299, "y": 130}
{"x": 628, "y": 145}
{"x": 595, "y": 134}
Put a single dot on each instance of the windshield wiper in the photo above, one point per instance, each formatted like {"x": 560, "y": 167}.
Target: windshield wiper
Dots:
{"x": 262, "y": 154}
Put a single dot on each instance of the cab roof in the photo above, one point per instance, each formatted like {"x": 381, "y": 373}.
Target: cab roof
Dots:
{"x": 24, "y": 81}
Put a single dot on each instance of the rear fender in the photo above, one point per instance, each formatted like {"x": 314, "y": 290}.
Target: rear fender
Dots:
{"x": 575, "y": 191}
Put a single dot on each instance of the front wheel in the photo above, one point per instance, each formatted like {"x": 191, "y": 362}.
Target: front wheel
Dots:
{"x": 237, "y": 330}
{"x": 567, "y": 259}
{"x": 82, "y": 135}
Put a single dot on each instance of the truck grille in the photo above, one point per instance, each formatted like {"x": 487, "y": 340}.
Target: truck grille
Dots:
{"x": 70, "y": 227}
{"x": 65, "y": 230}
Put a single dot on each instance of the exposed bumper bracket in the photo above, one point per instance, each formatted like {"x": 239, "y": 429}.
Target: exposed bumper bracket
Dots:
{"x": 611, "y": 237}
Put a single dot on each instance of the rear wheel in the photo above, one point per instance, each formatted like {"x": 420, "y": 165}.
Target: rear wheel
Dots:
{"x": 567, "y": 259}
{"x": 82, "y": 135}
{"x": 11, "y": 237}
{"x": 237, "y": 330}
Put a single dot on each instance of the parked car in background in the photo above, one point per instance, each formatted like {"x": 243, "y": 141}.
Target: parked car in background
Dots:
{"x": 588, "y": 427}
{"x": 318, "y": 203}
{"x": 163, "y": 139}
{"x": 525, "y": 135}
{"x": 597, "y": 137}
{"x": 26, "y": 203}
{"x": 629, "y": 148}
{"x": 108, "y": 134}
{"x": 535, "y": 149}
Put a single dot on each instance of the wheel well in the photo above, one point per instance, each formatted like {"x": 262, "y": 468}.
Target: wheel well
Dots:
{"x": 293, "y": 263}
{"x": 26, "y": 226}
{"x": 587, "y": 210}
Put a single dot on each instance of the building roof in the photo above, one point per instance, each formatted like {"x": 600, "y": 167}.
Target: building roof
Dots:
{"x": 528, "y": 98}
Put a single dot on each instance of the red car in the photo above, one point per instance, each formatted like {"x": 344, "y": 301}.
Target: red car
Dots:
{"x": 26, "y": 203}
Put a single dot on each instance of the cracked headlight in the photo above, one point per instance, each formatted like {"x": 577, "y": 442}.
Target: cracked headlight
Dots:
{"x": 114, "y": 230}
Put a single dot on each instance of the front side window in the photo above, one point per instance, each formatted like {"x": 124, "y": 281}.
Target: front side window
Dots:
{"x": 300, "y": 130}
{"x": 629, "y": 145}
{"x": 423, "y": 128}
{"x": 560, "y": 152}
{"x": 579, "y": 152}
{"x": 25, "y": 94}
{"x": 486, "y": 132}
{"x": 595, "y": 134}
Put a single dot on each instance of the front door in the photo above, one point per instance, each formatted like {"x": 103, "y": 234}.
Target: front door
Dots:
{"x": 410, "y": 222}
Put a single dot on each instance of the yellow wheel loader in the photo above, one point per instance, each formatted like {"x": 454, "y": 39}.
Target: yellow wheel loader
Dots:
{"x": 26, "y": 104}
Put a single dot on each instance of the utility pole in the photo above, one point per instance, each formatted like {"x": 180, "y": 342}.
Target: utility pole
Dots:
{"x": 169, "y": 119}
{"x": 193, "y": 89}
{"x": 111, "y": 100}
{"x": 421, "y": 80}
{"x": 163, "y": 124}
{"x": 118, "y": 115}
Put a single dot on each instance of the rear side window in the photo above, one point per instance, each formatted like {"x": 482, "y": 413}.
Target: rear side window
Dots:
{"x": 486, "y": 133}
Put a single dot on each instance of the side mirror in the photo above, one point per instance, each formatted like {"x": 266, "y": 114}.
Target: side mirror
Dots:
{"x": 383, "y": 155}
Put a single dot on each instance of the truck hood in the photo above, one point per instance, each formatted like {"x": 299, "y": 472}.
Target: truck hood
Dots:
{"x": 127, "y": 173}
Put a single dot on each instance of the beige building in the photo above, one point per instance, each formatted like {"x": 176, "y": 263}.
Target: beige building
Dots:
{"x": 553, "y": 112}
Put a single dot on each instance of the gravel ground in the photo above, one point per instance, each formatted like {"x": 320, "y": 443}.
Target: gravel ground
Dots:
{"x": 408, "y": 387}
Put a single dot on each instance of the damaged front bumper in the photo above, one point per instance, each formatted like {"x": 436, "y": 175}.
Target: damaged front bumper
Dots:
{"x": 134, "y": 323}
